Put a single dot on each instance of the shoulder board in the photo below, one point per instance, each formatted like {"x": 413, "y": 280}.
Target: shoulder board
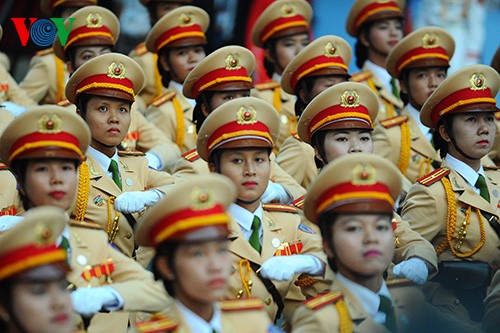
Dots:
{"x": 361, "y": 76}
{"x": 393, "y": 121}
{"x": 323, "y": 299}
{"x": 296, "y": 136}
{"x": 191, "y": 155}
{"x": 485, "y": 167}
{"x": 433, "y": 177}
{"x": 398, "y": 282}
{"x": 267, "y": 85}
{"x": 64, "y": 103}
{"x": 44, "y": 52}
{"x": 159, "y": 100}
{"x": 299, "y": 202}
{"x": 3, "y": 166}
{"x": 126, "y": 153}
{"x": 277, "y": 207}
{"x": 141, "y": 49}
{"x": 242, "y": 304}
{"x": 84, "y": 224}
{"x": 157, "y": 324}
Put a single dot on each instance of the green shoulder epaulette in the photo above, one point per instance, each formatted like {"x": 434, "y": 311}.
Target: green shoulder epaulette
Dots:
{"x": 140, "y": 49}
{"x": 321, "y": 300}
{"x": 242, "y": 304}
{"x": 296, "y": 136}
{"x": 64, "y": 103}
{"x": 127, "y": 153}
{"x": 434, "y": 176}
{"x": 398, "y": 282}
{"x": 278, "y": 207}
{"x": 156, "y": 324}
{"x": 3, "y": 166}
{"x": 191, "y": 155}
{"x": 44, "y": 52}
{"x": 159, "y": 100}
{"x": 85, "y": 224}
{"x": 361, "y": 76}
{"x": 267, "y": 85}
{"x": 393, "y": 121}
{"x": 299, "y": 202}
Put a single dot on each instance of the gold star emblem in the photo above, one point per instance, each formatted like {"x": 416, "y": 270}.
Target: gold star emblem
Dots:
{"x": 288, "y": 10}
{"x": 43, "y": 233}
{"x": 349, "y": 99}
{"x": 186, "y": 19}
{"x": 246, "y": 115}
{"x": 49, "y": 123}
{"x": 116, "y": 70}
{"x": 477, "y": 82}
{"x": 331, "y": 50}
{"x": 201, "y": 198}
{"x": 430, "y": 40}
{"x": 233, "y": 62}
{"x": 363, "y": 175}
{"x": 94, "y": 20}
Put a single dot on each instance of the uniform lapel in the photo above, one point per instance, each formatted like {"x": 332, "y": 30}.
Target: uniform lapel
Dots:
{"x": 419, "y": 142}
{"x": 99, "y": 178}
{"x": 240, "y": 246}
{"x": 386, "y": 94}
{"x": 271, "y": 237}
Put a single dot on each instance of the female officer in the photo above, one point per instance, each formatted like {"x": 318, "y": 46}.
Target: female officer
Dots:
{"x": 189, "y": 230}
{"x": 282, "y": 30}
{"x": 378, "y": 27}
{"x": 33, "y": 293}
{"x": 455, "y": 207}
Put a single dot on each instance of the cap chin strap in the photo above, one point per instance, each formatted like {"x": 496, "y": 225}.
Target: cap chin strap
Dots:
{"x": 457, "y": 148}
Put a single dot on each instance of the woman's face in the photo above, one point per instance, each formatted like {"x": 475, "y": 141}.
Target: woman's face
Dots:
{"x": 474, "y": 134}
{"x": 383, "y": 36}
{"x": 182, "y": 60}
{"x": 41, "y": 301}
{"x": 422, "y": 82}
{"x": 286, "y": 48}
{"x": 50, "y": 182}
{"x": 363, "y": 245}
{"x": 84, "y": 53}
{"x": 345, "y": 141}
{"x": 221, "y": 97}
{"x": 201, "y": 271}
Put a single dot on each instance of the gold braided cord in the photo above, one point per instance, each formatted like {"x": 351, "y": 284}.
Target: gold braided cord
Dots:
{"x": 158, "y": 83}
{"x": 245, "y": 269}
{"x": 181, "y": 126}
{"x": 425, "y": 167}
{"x": 345, "y": 322}
{"x": 82, "y": 198}
{"x": 59, "y": 79}
{"x": 452, "y": 224}
{"x": 277, "y": 99}
{"x": 404, "y": 157}
{"x": 390, "y": 110}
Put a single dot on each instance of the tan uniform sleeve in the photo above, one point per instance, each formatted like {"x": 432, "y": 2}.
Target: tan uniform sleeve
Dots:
{"x": 278, "y": 175}
{"x": 297, "y": 159}
{"x": 35, "y": 82}
{"x": 322, "y": 320}
{"x": 387, "y": 143}
{"x": 15, "y": 94}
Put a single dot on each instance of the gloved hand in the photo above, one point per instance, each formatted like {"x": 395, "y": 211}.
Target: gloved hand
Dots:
{"x": 88, "y": 301}
{"x": 8, "y": 221}
{"x": 282, "y": 268}
{"x": 136, "y": 201}
{"x": 154, "y": 160}
{"x": 413, "y": 269}
{"x": 13, "y": 108}
{"x": 275, "y": 193}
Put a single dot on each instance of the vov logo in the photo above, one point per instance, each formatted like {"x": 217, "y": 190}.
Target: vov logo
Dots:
{"x": 42, "y": 31}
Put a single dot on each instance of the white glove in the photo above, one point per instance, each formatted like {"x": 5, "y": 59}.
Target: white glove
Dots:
{"x": 282, "y": 268}
{"x": 88, "y": 301}
{"x": 413, "y": 269}
{"x": 8, "y": 221}
{"x": 275, "y": 193}
{"x": 136, "y": 201}
{"x": 154, "y": 161}
{"x": 13, "y": 108}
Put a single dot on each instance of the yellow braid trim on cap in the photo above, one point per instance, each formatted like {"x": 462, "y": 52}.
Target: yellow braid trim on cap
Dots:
{"x": 33, "y": 261}
{"x": 467, "y": 102}
{"x": 225, "y": 79}
{"x": 452, "y": 224}
{"x": 82, "y": 198}
{"x": 179, "y": 36}
{"x": 88, "y": 35}
{"x": 356, "y": 196}
{"x": 423, "y": 56}
{"x": 181, "y": 126}
{"x": 115, "y": 86}
{"x": 44, "y": 144}
{"x": 320, "y": 66}
{"x": 284, "y": 26}
{"x": 345, "y": 322}
{"x": 226, "y": 136}
{"x": 340, "y": 116}
{"x": 404, "y": 156}
{"x": 59, "y": 79}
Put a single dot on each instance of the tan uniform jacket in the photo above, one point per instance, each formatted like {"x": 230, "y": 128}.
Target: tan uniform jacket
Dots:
{"x": 46, "y": 78}
{"x": 10, "y": 90}
{"x": 284, "y": 104}
{"x": 426, "y": 210}
{"x": 297, "y": 159}
{"x": 140, "y": 292}
{"x": 192, "y": 164}
{"x": 135, "y": 176}
{"x": 279, "y": 227}
{"x": 147, "y": 60}
{"x": 9, "y": 198}
{"x": 389, "y": 105}
{"x": 495, "y": 151}
{"x": 163, "y": 114}
{"x": 387, "y": 139}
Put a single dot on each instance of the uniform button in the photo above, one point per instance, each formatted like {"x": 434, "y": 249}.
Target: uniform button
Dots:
{"x": 128, "y": 235}
{"x": 268, "y": 301}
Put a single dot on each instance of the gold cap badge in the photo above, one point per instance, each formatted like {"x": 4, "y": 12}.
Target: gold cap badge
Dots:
{"x": 185, "y": 19}
{"x": 430, "y": 40}
{"x": 349, "y": 99}
{"x": 43, "y": 234}
{"x": 116, "y": 70}
{"x": 233, "y": 62}
{"x": 94, "y": 20}
{"x": 363, "y": 175}
{"x": 49, "y": 123}
{"x": 246, "y": 115}
{"x": 331, "y": 50}
{"x": 477, "y": 82}
{"x": 287, "y": 10}
{"x": 201, "y": 199}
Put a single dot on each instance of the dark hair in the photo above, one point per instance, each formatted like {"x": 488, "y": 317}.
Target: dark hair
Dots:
{"x": 6, "y": 299}
{"x": 205, "y": 97}
{"x": 307, "y": 85}
{"x": 167, "y": 250}
{"x": 269, "y": 65}
{"x": 216, "y": 154}
{"x": 405, "y": 77}
{"x": 81, "y": 103}
{"x": 166, "y": 76}
{"x": 439, "y": 142}
{"x": 360, "y": 50}
{"x": 151, "y": 7}
{"x": 318, "y": 142}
